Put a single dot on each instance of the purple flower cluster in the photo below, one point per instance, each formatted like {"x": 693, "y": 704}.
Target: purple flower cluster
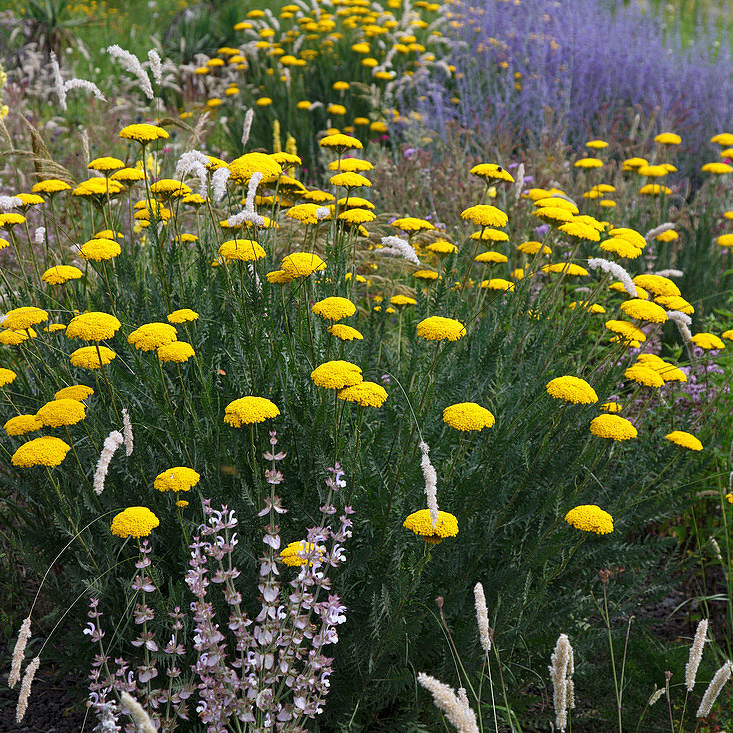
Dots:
{"x": 270, "y": 670}
{"x": 573, "y": 69}
{"x": 277, "y": 672}
{"x": 165, "y": 704}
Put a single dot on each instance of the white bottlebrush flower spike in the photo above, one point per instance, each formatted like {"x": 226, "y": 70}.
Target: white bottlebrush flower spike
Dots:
{"x": 658, "y": 230}
{"x": 111, "y": 443}
{"x": 455, "y": 707}
{"x": 127, "y": 432}
{"x": 155, "y": 65}
{"x": 482, "y": 617}
{"x": 561, "y": 670}
{"x": 19, "y": 652}
{"x": 131, "y": 63}
{"x": 194, "y": 163}
{"x": 714, "y": 688}
{"x": 135, "y": 710}
{"x": 247, "y": 126}
{"x": 25, "y": 689}
{"x": 219, "y": 183}
{"x": 398, "y": 247}
{"x": 598, "y": 263}
{"x": 695, "y": 654}
{"x": 431, "y": 482}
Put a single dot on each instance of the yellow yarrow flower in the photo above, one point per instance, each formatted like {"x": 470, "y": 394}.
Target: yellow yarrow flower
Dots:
{"x": 100, "y": 249}
{"x": 334, "y": 308}
{"x": 340, "y": 142}
{"x": 6, "y": 376}
{"x": 22, "y": 424}
{"x": 242, "y": 250}
{"x": 402, "y": 300}
{"x": 150, "y": 336}
{"x": 242, "y": 168}
{"x": 249, "y": 410}
{"x": 572, "y": 389}
{"x": 717, "y": 168}
{"x": 182, "y": 316}
{"x": 350, "y": 180}
{"x": 419, "y": 523}
{"x": 613, "y": 427}
{"x": 143, "y": 133}
{"x": 491, "y": 172}
{"x": 644, "y": 310}
{"x": 668, "y": 138}
{"x": 683, "y": 439}
{"x": 411, "y": 224}
{"x": 566, "y": 268}
{"x": 93, "y": 326}
{"x": 707, "y": 341}
{"x": 60, "y": 274}
{"x": 366, "y": 394}
{"x": 336, "y": 374}
{"x": 627, "y": 330}
{"x": 44, "y": 451}
{"x": 485, "y": 215}
{"x": 61, "y": 412}
{"x": 178, "y": 478}
{"x": 644, "y": 375}
{"x": 438, "y": 328}
{"x": 468, "y": 416}
{"x": 498, "y": 283}
{"x": 296, "y": 553}
{"x": 344, "y": 332}
{"x": 492, "y": 258}
{"x": 8, "y": 337}
{"x": 590, "y": 518}
{"x": 135, "y": 521}
{"x": 20, "y": 319}
{"x": 302, "y": 264}
{"x": 105, "y": 164}
{"x": 176, "y": 351}
{"x": 580, "y": 230}
{"x": 50, "y": 186}
{"x": 621, "y": 247}
{"x": 74, "y": 392}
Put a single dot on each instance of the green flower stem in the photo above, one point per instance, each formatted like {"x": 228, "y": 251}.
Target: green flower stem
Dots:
{"x": 67, "y": 514}
{"x": 107, "y": 384}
